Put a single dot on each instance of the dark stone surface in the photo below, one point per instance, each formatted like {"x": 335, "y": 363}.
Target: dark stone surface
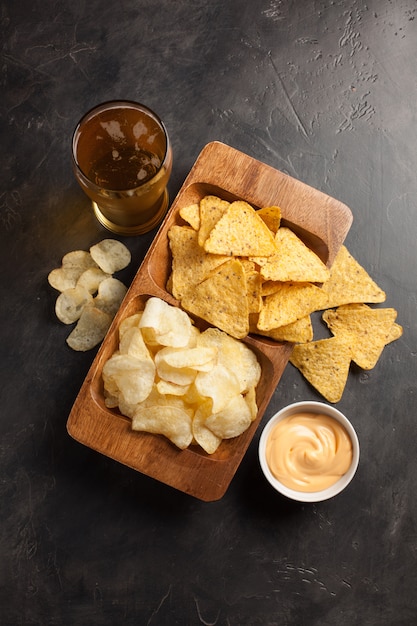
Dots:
{"x": 325, "y": 91}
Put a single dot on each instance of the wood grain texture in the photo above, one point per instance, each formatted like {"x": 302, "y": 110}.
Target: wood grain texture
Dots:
{"x": 320, "y": 220}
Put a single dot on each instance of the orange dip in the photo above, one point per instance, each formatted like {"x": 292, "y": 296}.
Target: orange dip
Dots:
{"x": 308, "y": 451}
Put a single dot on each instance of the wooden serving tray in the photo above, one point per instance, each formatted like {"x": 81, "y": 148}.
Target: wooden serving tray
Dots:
{"x": 220, "y": 170}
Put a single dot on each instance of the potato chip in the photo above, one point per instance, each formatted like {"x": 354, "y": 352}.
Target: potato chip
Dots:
{"x": 235, "y": 356}
{"x": 110, "y": 255}
{"x": 91, "y": 279}
{"x": 170, "y": 421}
{"x": 90, "y": 329}
{"x": 203, "y": 436}
{"x": 221, "y": 299}
{"x": 240, "y": 232}
{"x": 129, "y": 322}
{"x": 250, "y": 399}
{"x": 70, "y": 304}
{"x": 365, "y": 329}
{"x": 211, "y": 210}
{"x": 191, "y": 264}
{"x": 325, "y": 364}
{"x": 271, "y": 215}
{"x": 169, "y": 372}
{"x": 219, "y": 384}
{"x": 289, "y": 303}
{"x": 232, "y": 420}
{"x": 191, "y": 215}
{"x": 132, "y": 343}
{"x": 111, "y": 292}
{"x": 73, "y": 265}
{"x": 133, "y": 376}
{"x": 168, "y": 325}
{"x": 293, "y": 261}
{"x": 350, "y": 283}
{"x": 165, "y": 387}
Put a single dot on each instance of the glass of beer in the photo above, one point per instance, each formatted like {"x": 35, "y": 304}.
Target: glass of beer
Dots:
{"x": 122, "y": 159}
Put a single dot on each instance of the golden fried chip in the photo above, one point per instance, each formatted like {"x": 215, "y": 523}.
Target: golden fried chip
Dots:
{"x": 271, "y": 215}
{"x": 350, "y": 283}
{"x": 300, "y": 331}
{"x": 70, "y": 304}
{"x": 191, "y": 215}
{"x": 240, "y": 232}
{"x": 165, "y": 324}
{"x": 221, "y": 299}
{"x": 163, "y": 419}
{"x": 290, "y": 302}
{"x": 203, "y": 436}
{"x": 211, "y": 210}
{"x": 325, "y": 364}
{"x": 111, "y": 292}
{"x": 395, "y": 333}
{"x": 366, "y": 330}
{"x": 90, "y": 330}
{"x": 293, "y": 261}
{"x": 73, "y": 265}
{"x": 232, "y": 420}
{"x": 133, "y": 376}
{"x": 110, "y": 255}
{"x": 219, "y": 384}
{"x": 190, "y": 263}
{"x": 91, "y": 278}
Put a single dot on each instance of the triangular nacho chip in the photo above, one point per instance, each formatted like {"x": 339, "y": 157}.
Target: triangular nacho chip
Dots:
{"x": 289, "y": 303}
{"x": 366, "y": 330}
{"x": 191, "y": 215}
{"x": 325, "y": 364}
{"x": 221, "y": 299}
{"x": 349, "y": 282}
{"x": 211, "y": 210}
{"x": 271, "y": 215}
{"x": 240, "y": 232}
{"x": 300, "y": 331}
{"x": 294, "y": 261}
{"x": 190, "y": 263}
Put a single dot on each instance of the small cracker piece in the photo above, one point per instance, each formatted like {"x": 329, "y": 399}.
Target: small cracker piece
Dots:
{"x": 241, "y": 232}
{"x": 325, "y": 364}
{"x": 350, "y": 283}
{"x": 221, "y": 299}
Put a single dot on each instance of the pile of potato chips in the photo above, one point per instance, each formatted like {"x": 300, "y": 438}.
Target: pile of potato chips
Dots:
{"x": 89, "y": 293}
{"x": 171, "y": 379}
{"x": 243, "y": 271}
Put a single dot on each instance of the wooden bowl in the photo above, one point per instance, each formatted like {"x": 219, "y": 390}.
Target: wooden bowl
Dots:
{"x": 321, "y": 221}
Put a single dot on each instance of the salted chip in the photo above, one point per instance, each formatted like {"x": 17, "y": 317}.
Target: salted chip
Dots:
{"x": 250, "y": 399}
{"x": 271, "y": 215}
{"x": 191, "y": 215}
{"x": 90, "y": 329}
{"x": 91, "y": 279}
{"x": 70, "y": 304}
{"x": 110, "y": 255}
{"x": 219, "y": 384}
{"x": 293, "y": 261}
{"x": 350, "y": 283}
{"x": 300, "y": 331}
{"x": 203, "y": 436}
{"x": 240, "y": 232}
{"x": 72, "y": 267}
{"x": 235, "y": 356}
{"x": 170, "y": 421}
{"x": 395, "y": 333}
{"x": 191, "y": 264}
{"x": 111, "y": 292}
{"x": 165, "y": 387}
{"x": 231, "y": 421}
{"x": 221, "y": 299}
{"x": 254, "y": 291}
{"x": 165, "y": 324}
{"x": 132, "y": 343}
{"x": 211, "y": 210}
{"x": 289, "y": 303}
{"x": 325, "y": 364}
{"x": 129, "y": 322}
{"x": 365, "y": 329}
{"x": 133, "y": 376}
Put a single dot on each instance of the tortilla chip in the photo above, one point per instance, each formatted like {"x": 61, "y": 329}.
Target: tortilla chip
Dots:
{"x": 271, "y": 215}
{"x": 190, "y": 263}
{"x": 254, "y": 286}
{"x": 349, "y": 282}
{"x": 300, "y": 331}
{"x": 241, "y": 232}
{"x": 289, "y": 303}
{"x": 325, "y": 364}
{"x": 211, "y": 210}
{"x": 395, "y": 333}
{"x": 365, "y": 329}
{"x": 191, "y": 215}
{"x": 221, "y": 299}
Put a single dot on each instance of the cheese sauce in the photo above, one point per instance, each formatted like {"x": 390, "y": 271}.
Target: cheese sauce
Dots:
{"x": 308, "y": 451}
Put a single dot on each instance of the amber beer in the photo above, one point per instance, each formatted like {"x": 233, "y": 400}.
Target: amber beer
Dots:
{"x": 122, "y": 159}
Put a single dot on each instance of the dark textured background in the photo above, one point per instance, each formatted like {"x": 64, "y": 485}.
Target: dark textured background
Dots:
{"x": 323, "y": 90}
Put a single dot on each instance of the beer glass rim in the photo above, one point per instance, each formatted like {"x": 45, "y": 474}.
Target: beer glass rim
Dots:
{"x": 109, "y": 104}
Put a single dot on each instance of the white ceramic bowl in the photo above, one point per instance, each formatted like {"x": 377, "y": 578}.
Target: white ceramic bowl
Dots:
{"x": 309, "y": 407}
